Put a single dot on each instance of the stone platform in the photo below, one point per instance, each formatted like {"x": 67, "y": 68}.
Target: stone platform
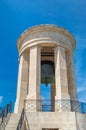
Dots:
{"x": 56, "y": 120}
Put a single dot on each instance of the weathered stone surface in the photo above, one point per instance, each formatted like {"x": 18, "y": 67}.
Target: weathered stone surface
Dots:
{"x": 56, "y": 45}
{"x": 22, "y": 82}
{"x": 81, "y": 121}
{"x": 61, "y": 73}
{"x": 60, "y": 120}
{"x": 71, "y": 76}
{"x": 46, "y": 35}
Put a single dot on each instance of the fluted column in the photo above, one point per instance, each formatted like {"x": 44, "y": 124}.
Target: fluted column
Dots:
{"x": 71, "y": 76}
{"x": 61, "y": 82}
{"x": 34, "y": 79}
{"x": 22, "y": 82}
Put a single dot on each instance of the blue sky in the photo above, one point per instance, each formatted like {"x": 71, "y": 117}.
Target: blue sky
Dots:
{"x": 18, "y": 15}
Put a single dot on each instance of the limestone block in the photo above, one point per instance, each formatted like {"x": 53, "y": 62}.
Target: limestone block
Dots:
{"x": 81, "y": 121}
{"x": 61, "y": 73}
{"x": 71, "y": 76}
{"x": 34, "y": 71}
{"x": 54, "y": 120}
{"x": 22, "y": 82}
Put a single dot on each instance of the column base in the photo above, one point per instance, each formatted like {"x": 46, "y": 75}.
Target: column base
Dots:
{"x": 63, "y": 103}
{"x": 16, "y": 106}
{"x": 19, "y": 105}
{"x": 33, "y": 103}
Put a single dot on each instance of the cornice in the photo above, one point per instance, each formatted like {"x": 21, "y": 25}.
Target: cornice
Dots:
{"x": 45, "y": 28}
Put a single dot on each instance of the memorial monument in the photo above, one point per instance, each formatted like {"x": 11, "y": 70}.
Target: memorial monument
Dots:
{"x": 46, "y": 57}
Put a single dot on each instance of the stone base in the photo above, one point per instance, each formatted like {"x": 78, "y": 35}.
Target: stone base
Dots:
{"x": 62, "y": 104}
{"x": 16, "y": 108}
{"x": 81, "y": 121}
{"x": 56, "y": 120}
{"x": 33, "y": 104}
{"x": 19, "y": 105}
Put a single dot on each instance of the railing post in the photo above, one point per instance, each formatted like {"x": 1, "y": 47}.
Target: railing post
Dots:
{"x": 75, "y": 105}
{"x": 4, "y": 116}
{"x": 33, "y": 105}
{"x": 59, "y": 105}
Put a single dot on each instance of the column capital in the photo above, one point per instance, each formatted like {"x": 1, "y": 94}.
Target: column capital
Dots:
{"x": 69, "y": 53}
{"x": 58, "y": 46}
{"x": 23, "y": 53}
{"x": 36, "y": 46}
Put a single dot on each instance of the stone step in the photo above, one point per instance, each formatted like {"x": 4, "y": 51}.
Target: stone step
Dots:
{"x": 13, "y": 122}
{"x": 10, "y": 128}
{"x": 15, "y": 116}
{"x": 14, "y": 119}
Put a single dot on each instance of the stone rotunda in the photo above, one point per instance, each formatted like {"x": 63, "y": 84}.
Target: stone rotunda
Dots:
{"x": 46, "y": 57}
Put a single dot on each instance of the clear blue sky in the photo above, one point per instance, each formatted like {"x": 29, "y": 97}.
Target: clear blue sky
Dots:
{"x": 18, "y": 15}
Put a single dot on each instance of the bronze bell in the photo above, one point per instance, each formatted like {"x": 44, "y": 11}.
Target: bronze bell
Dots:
{"x": 47, "y": 72}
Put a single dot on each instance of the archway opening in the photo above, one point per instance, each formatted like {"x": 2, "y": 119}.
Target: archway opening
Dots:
{"x": 47, "y": 85}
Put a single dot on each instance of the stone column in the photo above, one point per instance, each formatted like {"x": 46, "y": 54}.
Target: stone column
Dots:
{"x": 33, "y": 98}
{"x": 22, "y": 82}
{"x": 71, "y": 76}
{"x": 61, "y": 82}
{"x": 52, "y": 97}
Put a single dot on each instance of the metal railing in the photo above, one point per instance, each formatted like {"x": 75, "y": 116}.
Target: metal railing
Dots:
{"x": 26, "y": 122}
{"x": 19, "y": 127}
{"x": 5, "y": 115}
{"x": 55, "y": 105}
{"x": 23, "y": 122}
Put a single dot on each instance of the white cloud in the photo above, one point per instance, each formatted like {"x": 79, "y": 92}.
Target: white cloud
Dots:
{"x": 82, "y": 96}
{"x": 1, "y": 98}
{"x": 82, "y": 84}
{"x": 81, "y": 89}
